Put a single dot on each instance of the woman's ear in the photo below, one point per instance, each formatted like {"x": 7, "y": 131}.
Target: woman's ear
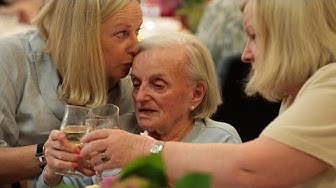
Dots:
{"x": 198, "y": 94}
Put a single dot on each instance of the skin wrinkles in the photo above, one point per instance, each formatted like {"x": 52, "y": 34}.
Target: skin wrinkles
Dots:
{"x": 162, "y": 93}
{"x": 119, "y": 39}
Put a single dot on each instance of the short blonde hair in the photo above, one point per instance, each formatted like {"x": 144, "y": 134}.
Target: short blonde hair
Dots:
{"x": 72, "y": 32}
{"x": 295, "y": 39}
{"x": 201, "y": 67}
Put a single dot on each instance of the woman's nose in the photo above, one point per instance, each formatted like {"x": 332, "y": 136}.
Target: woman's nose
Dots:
{"x": 247, "y": 55}
{"x": 134, "y": 46}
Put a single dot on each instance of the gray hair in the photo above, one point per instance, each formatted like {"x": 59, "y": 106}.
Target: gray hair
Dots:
{"x": 201, "y": 67}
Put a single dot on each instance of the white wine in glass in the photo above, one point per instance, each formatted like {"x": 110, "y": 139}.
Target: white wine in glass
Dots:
{"x": 74, "y": 133}
{"x": 74, "y": 127}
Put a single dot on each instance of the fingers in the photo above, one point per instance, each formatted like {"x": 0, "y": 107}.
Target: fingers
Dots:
{"x": 93, "y": 146}
{"x": 61, "y": 160}
{"x": 60, "y": 153}
{"x": 58, "y": 141}
{"x": 56, "y": 135}
{"x": 86, "y": 168}
{"x": 107, "y": 165}
{"x": 119, "y": 147}
{"x": 96, "y": 134}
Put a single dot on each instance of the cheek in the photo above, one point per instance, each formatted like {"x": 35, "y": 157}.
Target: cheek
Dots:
{"x": 175, "y": 104}
{"x": 112, "y": 52}
{"x": 111, "y": 55}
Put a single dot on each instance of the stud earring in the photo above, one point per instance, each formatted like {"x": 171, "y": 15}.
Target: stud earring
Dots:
{"x": 192, "y": 108}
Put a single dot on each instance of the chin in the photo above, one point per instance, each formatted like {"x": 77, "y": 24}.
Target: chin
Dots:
{"x": 146, "y": 126}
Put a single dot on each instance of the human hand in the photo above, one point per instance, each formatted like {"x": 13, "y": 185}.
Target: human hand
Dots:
{"x": 61, "y": 155}
{"x": 119, "y": 147}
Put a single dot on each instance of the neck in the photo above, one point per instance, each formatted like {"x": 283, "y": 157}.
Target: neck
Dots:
{"x": 177, "y": 134}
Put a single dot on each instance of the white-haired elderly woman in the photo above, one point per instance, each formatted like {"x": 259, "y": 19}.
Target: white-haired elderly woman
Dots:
{"x": 175, "y": 92}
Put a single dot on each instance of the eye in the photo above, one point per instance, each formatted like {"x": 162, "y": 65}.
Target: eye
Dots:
{"x": 136, "y": 84}
{"x": 122, "y": 34}
{"x": 252, "y": 36}
{"x": 159, "y": 85}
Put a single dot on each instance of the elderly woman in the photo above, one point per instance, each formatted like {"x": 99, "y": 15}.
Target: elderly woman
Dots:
{"x": 175, "y": 92}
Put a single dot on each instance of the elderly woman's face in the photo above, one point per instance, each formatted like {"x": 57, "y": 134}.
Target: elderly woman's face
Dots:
{"x": 250, "y": 52}
{"x": 161, "y": 90}
{"x": 119, "y": 39}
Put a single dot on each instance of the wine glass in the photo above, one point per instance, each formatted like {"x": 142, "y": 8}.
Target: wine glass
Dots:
{"x": 74, "y": 127}
{"x": 104, "y": 117}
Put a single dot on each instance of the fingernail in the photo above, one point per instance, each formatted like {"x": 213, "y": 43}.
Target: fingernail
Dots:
{"x": 77, "y": 150}
{"x": 75, "y": 165}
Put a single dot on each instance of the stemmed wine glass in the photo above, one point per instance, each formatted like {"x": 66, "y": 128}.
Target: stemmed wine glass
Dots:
{"x": 74, "y": 127}
{"x": 104, "y": 117}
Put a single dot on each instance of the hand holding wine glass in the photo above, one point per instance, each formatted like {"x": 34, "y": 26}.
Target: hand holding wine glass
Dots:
{"x": 74, "y": 127}
{"x": 104, "y": 117}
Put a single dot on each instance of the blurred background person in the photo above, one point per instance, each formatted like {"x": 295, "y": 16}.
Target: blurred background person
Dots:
{"x": 221, "y": 29}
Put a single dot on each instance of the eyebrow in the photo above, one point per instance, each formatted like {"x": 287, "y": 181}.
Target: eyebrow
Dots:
{"x": 158, "y": 75}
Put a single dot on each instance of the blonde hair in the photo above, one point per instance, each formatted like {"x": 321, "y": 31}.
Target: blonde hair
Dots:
{"x": 295, "y": 39}
{"x": 72, "y": 32}
{"x": 201, "y": 67}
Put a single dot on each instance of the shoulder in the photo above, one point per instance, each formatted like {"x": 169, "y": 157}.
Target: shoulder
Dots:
{"x": 326, "y": 74}
{"x": 10, "y": 44}
{"x": 13, "y": 56}
{"x": 321, "y": 83}
{"x": 221, "y": 126}
{"x": 208, "y": 130}
{"x": 309, "y": 115}
{"x": 16, "y": 46}
{"x": 16, "y": 51}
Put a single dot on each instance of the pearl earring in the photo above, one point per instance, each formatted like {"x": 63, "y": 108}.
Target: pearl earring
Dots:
{"x": 192, "y": 108}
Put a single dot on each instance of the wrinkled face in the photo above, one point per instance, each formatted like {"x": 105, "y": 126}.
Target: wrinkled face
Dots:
{"x": 161, "y": 89}
{"x": 119, "y": 39}
{"x": 250, "y": 52}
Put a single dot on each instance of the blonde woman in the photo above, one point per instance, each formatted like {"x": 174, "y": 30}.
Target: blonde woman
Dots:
{"x": 80, "y": 54}
{"x": 291, "y": 46}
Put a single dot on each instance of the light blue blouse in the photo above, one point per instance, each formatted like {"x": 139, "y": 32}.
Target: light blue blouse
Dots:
{"x": 29, "y": 106}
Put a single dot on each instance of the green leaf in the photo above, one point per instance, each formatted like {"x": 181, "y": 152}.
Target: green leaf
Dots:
{"x": 151, "y": 167}
{"x": 194, "y": 180}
